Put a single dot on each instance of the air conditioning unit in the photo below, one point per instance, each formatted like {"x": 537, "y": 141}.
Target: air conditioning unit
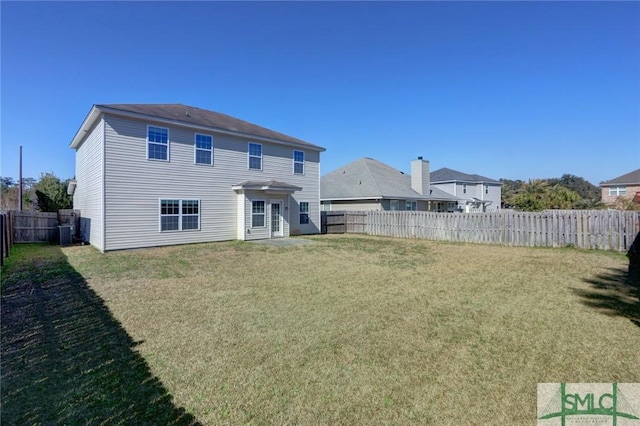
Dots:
{"x": 65, "y": 232}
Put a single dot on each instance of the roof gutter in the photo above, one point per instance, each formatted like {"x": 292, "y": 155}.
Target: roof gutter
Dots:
{"x": 86, "y": 125}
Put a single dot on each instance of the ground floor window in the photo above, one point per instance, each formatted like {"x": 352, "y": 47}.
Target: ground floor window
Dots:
{"x": 304, "y": 212}
{"x": 394, "y": 205}
{"x": 411, "y": 206}
{"x": 179, "y": 215}
{"x": 257, "y": 214}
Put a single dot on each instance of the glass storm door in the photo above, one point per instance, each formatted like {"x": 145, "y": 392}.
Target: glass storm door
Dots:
{"x": 276, "y": 219}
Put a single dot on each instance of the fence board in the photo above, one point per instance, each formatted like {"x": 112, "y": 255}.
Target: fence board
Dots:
{"x": 596, "y": 229}
{"x": 30, "y": 227}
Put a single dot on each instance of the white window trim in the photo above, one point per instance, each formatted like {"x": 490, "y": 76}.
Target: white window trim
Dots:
{"x": 156, "y": 143}
{"x": 263, "y": 213}
{"x": 486, "y": 189}
{"x": 195, "y": 149}
{"x": 298, "y": 162}
{"x": 615, "y": 191}
{"x": 300, "y": 212}
{"x": 179, "y": 214}
{"x": 254, "y": 156}
{"x": 464, "y": 188}
{"x": 408, "y": 203}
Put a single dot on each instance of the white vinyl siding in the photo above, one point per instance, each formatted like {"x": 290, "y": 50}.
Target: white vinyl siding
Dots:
{"x": 89, "y": 194}
{"x": 134, "y": 185}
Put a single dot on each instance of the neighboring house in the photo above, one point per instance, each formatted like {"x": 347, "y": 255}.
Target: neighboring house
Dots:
{"x": 477, "y": 193}
{"x": 626, "y": 186}
{"x": 164, "y": 174}
{"x": 368, "y": 184}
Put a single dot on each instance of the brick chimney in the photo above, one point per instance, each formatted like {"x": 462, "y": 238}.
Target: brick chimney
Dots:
{"x": 420, "y": 179}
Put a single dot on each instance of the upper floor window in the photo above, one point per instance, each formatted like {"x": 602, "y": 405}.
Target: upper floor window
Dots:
{"x": 179, "y": 215}
{"x": 157, "y": 143}
{"x": 615, "y": 191}
{"x": 464, "y": 188}
{"x": 255, "y": 156}
{"x": 411, "y": 206}
{"x": 304, "y": 212}
{"x": 486, "y": 189}
{"x": 298, "y": 162}
{"x": 203, "y": 149}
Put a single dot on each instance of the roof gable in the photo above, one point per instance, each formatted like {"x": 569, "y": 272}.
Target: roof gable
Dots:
{"x": 627, "y": 179}
{"x": 372, "y": 179}
{"x": 190, "y": 116}
{"x": 450, "y": 175}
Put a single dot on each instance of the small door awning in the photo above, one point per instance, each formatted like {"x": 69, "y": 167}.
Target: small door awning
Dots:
{"x": 476, "y": 202}
{"x": 269, "y": 187}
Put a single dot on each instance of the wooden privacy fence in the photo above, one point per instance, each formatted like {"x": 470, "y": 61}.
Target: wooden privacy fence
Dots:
{"x": 588, "y": 229}
{"x": 340, "y": 222}
{"x": 34, "y": 227}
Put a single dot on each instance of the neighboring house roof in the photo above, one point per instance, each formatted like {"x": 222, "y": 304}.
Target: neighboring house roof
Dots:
{"x": 449, "y": 175}
{"x": 631, "y": 178}
{"x": 367, "y": 178}
{"x": 189, "y": 116}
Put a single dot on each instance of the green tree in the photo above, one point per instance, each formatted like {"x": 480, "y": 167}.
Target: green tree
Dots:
{"x": 509, "y": 190}
{"x": 532, "y": 196}
{"x": 590, "y": 204}
{"x": 560, "y": 197}
{"x": 51, "y": 193}
{"x": 581, "y": 186}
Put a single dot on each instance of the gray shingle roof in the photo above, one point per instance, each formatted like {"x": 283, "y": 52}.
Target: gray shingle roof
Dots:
{"x": 449, "y": 175}
{"x": 369, "y": 178}
{"x": 197, "y": 116}
{"x": 627, "y": 179}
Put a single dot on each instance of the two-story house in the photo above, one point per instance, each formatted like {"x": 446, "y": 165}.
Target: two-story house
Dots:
{"x": 164, "y": 174}
{"x": 477, "y": 193}
{"x": 625, "y": 187}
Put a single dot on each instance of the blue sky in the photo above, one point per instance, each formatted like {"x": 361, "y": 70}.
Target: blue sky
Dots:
{"x": 513, "y": 90}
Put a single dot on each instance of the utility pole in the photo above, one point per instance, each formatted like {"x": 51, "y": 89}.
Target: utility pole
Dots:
{"x": 20, "y": 182}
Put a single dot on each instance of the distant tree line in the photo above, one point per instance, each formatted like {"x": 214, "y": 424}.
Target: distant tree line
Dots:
{"x": 47, "y": 194}
{"x": 567, "y": 192}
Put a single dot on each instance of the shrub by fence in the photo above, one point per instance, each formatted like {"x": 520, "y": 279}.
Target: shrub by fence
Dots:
{"x": 588, "y": 229}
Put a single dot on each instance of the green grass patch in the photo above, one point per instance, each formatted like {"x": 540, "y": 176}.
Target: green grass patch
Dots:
{"x": 349, "y": 330}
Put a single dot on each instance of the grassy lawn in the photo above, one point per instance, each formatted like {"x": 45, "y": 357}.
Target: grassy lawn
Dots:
{"x": 349, "y": 330}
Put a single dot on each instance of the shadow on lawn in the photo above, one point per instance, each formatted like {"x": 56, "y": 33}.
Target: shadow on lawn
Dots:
{"x": 617, "y": 292}
{"x": 65, "y": 358}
